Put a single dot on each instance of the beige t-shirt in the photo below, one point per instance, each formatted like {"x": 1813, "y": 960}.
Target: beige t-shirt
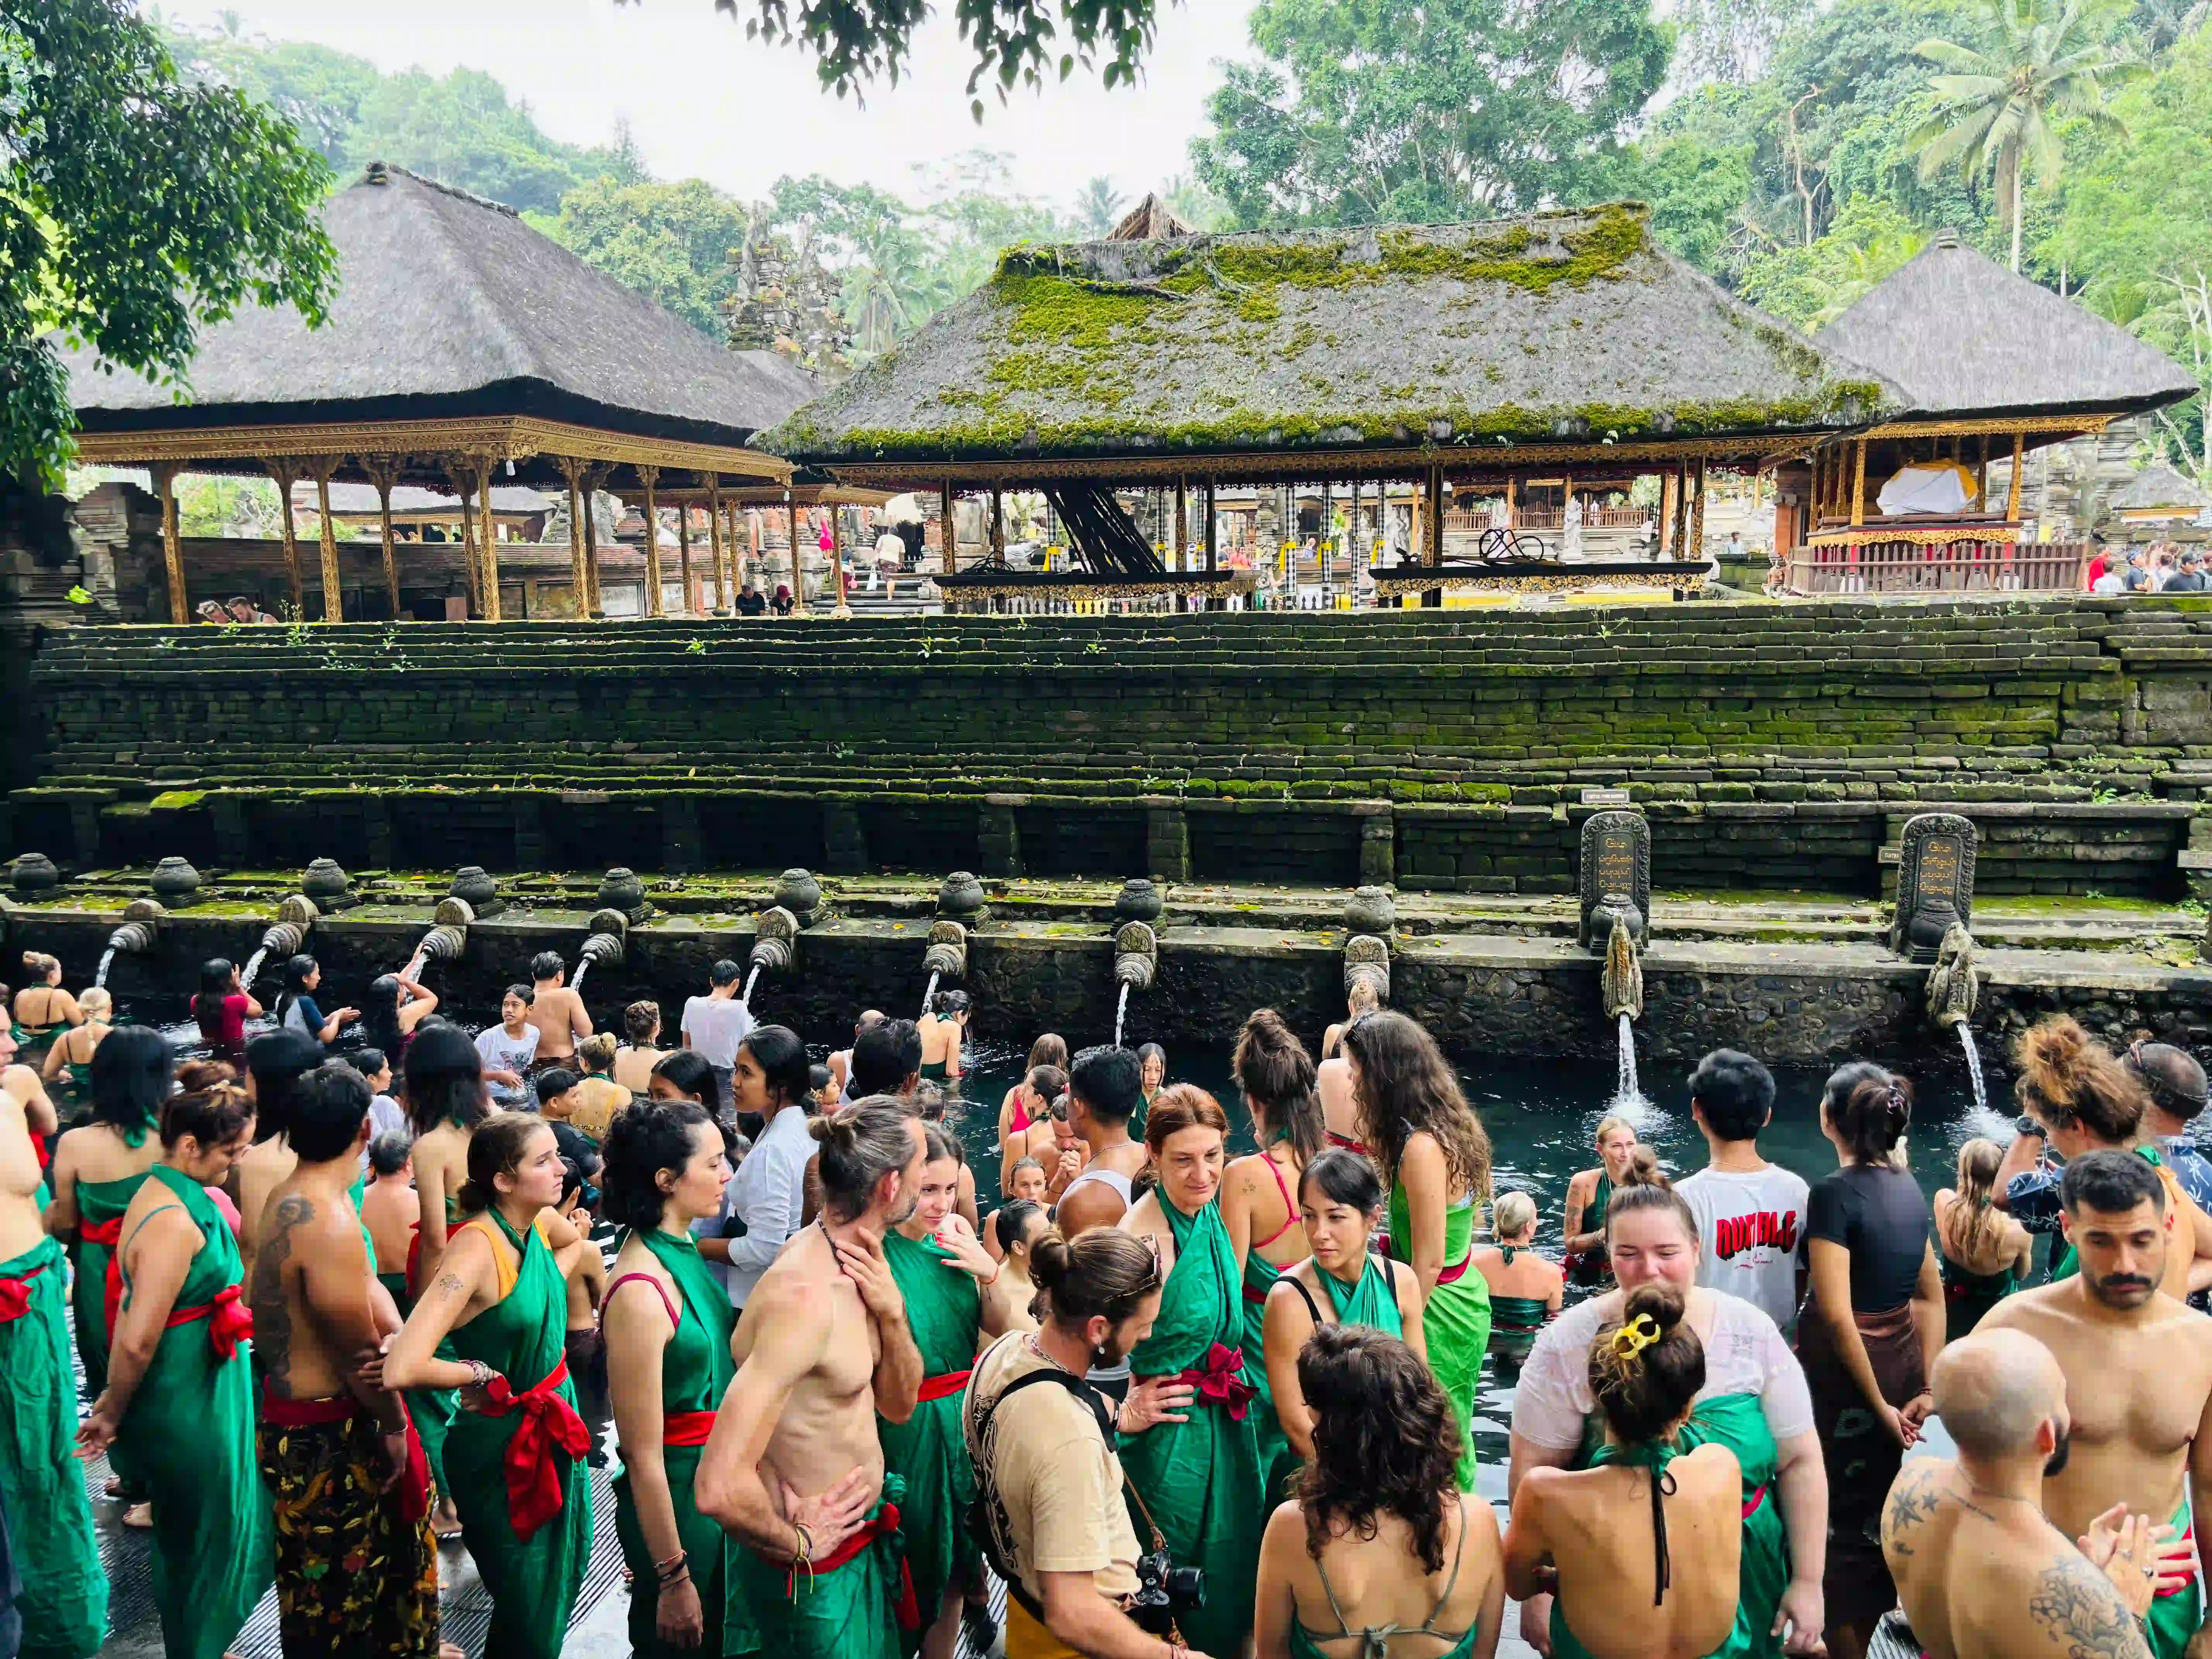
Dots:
{"x": 1059, "y": 1480}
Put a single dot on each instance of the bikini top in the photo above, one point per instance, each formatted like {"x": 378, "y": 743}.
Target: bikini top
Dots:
{"x": 1374, "y": 1639}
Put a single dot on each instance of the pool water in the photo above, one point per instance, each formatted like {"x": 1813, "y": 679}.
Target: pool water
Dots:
{"x": 1541, "y": 1113}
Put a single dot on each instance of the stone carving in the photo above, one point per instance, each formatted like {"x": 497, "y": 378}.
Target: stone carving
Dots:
{"x": 1935, "y": 884}
{"x": 1953, "y": 992}
{"x": 1371, "y": 910}
{"x": 1616, "y": 877}
{"x": 477, "y": 891}
{"x": 174, "y": 881}
{"x": 621, "y": 890}
{"x": 1139, "y": 900}
{"x": 775, "y": 940}
{"x": 796, "y": 891}
{"x": 454, "y": 911}
{"x": 35, "y": 872}
{"x": 1367, "y": 960}
{"x": 329, "y": 885}
{"x": 1136, "y": 956}
{"x": 947, "y": 955}
{"x": 1621, "y": 984}
{"x": 606, "y": 935}
{"x": 961, "y": 894}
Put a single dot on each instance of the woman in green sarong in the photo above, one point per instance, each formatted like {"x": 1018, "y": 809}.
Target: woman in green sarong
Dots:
{"x": 1984, "y": 1256}
{"x": 1589, "y": 1192}
{"x": 179, "y": 1394}
{"x": 668, "y": 1365}
{"x": 1199, "y": 1480}
{"x": 1644, "y": 1542}
{"x": 949, "y": 1283}
{"x": 502, "y": 1294}
{"x": 1276, "y": 1073}
{"x": 1381, "y": 1553}
{"x": 1434, "y": 1155}
{"x": 1753, "y": 1400}
{"x": 68, "y": 1066}
{"x": 43, "y": 1010}
{"x": 1525, "y": 1288}
{"x": 63, "y": 1598}
{"x": 1342, "y": 1282}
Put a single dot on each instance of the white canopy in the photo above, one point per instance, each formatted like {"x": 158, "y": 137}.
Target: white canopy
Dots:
{"x": 1932, "y": 487}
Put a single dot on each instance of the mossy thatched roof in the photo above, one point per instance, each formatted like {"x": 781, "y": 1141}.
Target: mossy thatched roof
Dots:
{"x": 1570, "y": 326}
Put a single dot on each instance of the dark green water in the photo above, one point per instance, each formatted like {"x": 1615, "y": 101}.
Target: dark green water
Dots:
{"x": 1540, "y": 1115}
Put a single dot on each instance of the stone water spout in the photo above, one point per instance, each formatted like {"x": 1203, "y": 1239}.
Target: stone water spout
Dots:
{"x": 606, "y": 941}
{"x": 295, "y": 919}
{"x": 448, "y": 936}
{"x": 776, "y": 945}
{"x": 1367, "y": 961}
{"x": 946, "y": 958}
{"x": 141, "y": 925}
{"x": 1620, "y": 982}
{"x": 1953, "y": 992}
{"x": 1136, "y": 964}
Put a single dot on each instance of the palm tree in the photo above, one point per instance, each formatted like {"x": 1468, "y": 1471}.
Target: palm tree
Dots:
{"x": 1998, "y": 104}
{"x": 1098, "y": 208}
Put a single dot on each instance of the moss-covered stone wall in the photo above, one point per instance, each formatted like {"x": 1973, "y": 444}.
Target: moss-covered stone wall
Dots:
{"x": 1772, "y": 746}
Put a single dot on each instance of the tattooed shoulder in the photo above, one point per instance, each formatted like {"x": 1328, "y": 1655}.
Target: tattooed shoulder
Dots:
{"x": 1913, "y": 1497}
{"x": 2082, "y": 1614}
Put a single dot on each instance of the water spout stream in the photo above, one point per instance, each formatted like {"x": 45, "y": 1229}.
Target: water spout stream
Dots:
{"x": 106, "y": 957}
{"x": 747, "y": 995}
{"x": 1120, "y": 1009}
{"x": 1625, "y": 1093}
{"x": 1974, "y": 1066}
{"x": 929, "y": 996}
{"x": 252, "y": 969}
{"x": 577, "y": 983}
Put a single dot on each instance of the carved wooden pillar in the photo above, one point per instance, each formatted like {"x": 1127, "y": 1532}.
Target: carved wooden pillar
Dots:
{"x": 486, "y": 539}
{"x": 844, "y": 609}
{"x": 457, "y": 476}
{"x": 2012, "y": 493}
{"x": 948, "y": 535}
{"x": 1858, "y": 484}
{"x": 1211, "y": 548}
{"x": 650, "y": 476}
{"x": 580, "y": 582}
{"x": 683, "y": 553}
{"x": 797, "y": 572}
{"x": 730, "y": 541}
{"x": 173, "y": 546}
{"x": 714, "y": 539}
{"x": 287, "y": 472}
{"x": 384, "y": 472}
{"x": 1433, "y": 533}
{"x": 1698, "y": 519}
{"x": 595, "y": 478}
{"x": 1182, "y": 527}
{"x": 333, "y": 585}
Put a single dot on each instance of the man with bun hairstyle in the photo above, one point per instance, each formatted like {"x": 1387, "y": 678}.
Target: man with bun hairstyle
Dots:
{"x": 793, "y": 1468}
{"x": 1048, "y": 1464}
{"x": 1982, "y": 1574}
{"x": 2138, "y": 1372}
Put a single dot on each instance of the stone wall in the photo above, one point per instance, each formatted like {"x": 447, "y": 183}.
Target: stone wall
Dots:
{"x": 1772, "y": 747}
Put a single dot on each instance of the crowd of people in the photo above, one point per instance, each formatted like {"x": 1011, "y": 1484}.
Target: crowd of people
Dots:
{"x": 331, "y": 1308}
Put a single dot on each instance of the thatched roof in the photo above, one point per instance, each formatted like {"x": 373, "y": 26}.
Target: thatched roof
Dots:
{"x": 1965, "y": 337}
{"x": 1573, "y": 326}
{"x": 2156, "y": 485}
{"x": 1149, "y": 221}
{"x": 450, "y": 306}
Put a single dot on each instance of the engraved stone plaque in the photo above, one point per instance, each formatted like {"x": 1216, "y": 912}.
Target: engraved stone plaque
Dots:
{"x": 1935, "y": 884}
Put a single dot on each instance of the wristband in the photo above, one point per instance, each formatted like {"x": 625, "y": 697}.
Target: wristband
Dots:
{"x": 2024, "y": 1125}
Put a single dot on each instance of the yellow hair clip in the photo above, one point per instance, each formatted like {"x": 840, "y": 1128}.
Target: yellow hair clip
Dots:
{"x": 1634, "y": 1337}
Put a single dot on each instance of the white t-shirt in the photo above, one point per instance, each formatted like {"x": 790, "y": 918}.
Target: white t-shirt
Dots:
{"x": 384, "y": 1116}
{"x": 1745, "y": 1354}
{"x": 1749, "y": 1224}
{"x": 715, "y": 1026}
{"x": 502, "y": 1052}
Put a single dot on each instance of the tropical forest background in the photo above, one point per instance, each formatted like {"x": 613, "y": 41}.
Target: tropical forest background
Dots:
{"x": 1795, "y": 151}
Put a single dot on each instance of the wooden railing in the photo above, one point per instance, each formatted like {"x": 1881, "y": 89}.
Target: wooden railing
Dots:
{"x": 1959, "y": 567}
{"x": 1553, "y": 518}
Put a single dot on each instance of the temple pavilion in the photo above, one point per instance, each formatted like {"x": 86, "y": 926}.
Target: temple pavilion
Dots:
{"x": 463, "y": 353}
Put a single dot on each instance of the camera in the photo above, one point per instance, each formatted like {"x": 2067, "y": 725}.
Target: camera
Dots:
{"x": 1165, "y": 1590}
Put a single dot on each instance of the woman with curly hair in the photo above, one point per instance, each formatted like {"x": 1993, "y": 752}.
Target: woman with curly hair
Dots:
{"x": 1379, "y": 1541}
{"x": 1434, "y": 1156}
{"x": 1656, "y": 1506}
{"x": 1982, "y": 1254}
{"x": 2076, "y": 1097}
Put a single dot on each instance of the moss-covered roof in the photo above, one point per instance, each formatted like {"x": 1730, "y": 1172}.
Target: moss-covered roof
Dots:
{"x": 1573, "y": 326}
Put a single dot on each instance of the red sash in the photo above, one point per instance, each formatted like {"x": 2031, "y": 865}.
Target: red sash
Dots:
{"x": 1750, "y": 1504}
{"x": 46, "y": 1152}
{"x": 15, "y": 1295}
{"x": 1253, "y": 1293}
{"x": 549, "y": 1429}
{"x": 108, "y": 1232}
{"x": 1220, "y": 1382}
{"x": 943, "y": 1386}
{"x": 884, "y": 1523}
{"x": 687, "y": 1428}
{"x": 1453, "y": 1274}
{"x": 230, "y": 1321}
{"x": 414, "y": 1488}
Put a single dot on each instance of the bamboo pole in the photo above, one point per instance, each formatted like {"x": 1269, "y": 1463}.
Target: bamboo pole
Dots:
{"x": 172, "y": 545}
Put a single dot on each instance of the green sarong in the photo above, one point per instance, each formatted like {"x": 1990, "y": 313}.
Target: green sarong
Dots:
{"x": 432, "y": 1409}
{"x": 1738, "y": 1422}
{"x": 1372, "y": 1302}
{"x": 1653, "y": 1461}
{"x": 1202, "y": 1478}
{"x": 533, "y": 1581}
{"x": 928, "y": 1451}
{"x": 1455, "y": 1319}
{"x": 189, "y": 1435}
{"x": 99, "y": 1208}
{"x": 64, "y": 1596}
{"x": 2174, "y": 1619}
{"x": 1969, "y": 1296}
{"x": 1260, "y": 1276}
{"x": 696, "y": 1368}
{"x": 846, "y": 1607}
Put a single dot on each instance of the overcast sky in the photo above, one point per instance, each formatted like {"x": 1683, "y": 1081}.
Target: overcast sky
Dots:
{"x": 702, "y": 100}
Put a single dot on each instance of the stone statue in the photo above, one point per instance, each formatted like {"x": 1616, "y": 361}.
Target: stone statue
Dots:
{"x": 1622, "y": 981}
{"x": 1953, "y": 990}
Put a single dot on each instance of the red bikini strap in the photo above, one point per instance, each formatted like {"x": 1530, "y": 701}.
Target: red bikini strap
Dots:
{"x": 675, "y": 1314}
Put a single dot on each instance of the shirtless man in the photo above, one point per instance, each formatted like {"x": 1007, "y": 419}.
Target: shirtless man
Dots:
{"x": 1105, "y": 1087}
{"x": 841, "y": 1063}
{"x": 558, "y": 1012}
{"x": 793, "y": 1468}
{"x": 1981, "y": 1573}
{"x": 2138, "y": 1370}
{"x": 275, "y": 1063}
{"x": 355, "y": 1555}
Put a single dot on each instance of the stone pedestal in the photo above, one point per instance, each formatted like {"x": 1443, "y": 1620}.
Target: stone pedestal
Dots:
{"x": 1378, "y": 845}
{"x": 1935, "y": 884}
{"x": 1616, "y": 876}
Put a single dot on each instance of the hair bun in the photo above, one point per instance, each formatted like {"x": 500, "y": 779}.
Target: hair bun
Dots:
{"x": 2053, "y": 1055}
{"x": 1664, "y": 1305}
{"x": 1050, "y": 1259}
{"x": 835, "y": 1130}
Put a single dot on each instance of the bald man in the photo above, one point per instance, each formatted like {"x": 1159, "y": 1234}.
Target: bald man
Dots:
{"x": 1981, "y": 1573}
{"x": 2138, "y": 1369}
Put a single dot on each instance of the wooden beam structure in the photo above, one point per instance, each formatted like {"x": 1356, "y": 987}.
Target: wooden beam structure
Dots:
{"x": 287, "y": 471}
{"x": 173, "y": 546}
{"x": 714, "y": 541}
{"x": 327, "y": 536}
{"x": 655, "y": 604}
{"x": 384, "y": 473}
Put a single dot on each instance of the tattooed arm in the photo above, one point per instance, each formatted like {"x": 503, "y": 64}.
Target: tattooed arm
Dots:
{"x": 1912, "y": 1499}
{"x": 467, "y": 1283}
{"x": 2075, "y": 1611}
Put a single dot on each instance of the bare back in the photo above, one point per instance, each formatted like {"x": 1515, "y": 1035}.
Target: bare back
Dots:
{"x": 309, "y": 1289}
{"x": 558, "y": 1014}
{"x": 1340, "y": 1110}
{"x": 1380, "y": 1584}
{"x": 634, "y": 1068}
{"x": 390, "y": 1210}
{"x": 1992, "y": 1248}
{"x": 827, "y": 1424}
{"x": 441, "y": 1169}
{"x": 2139, "y": 1387}
{"x": 1598, "y": 1525}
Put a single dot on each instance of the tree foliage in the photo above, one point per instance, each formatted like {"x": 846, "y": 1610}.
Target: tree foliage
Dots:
{"x": 676, "y": 244}
{"x": 1424, "y": 110}
{"x": 93, "y": 114}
